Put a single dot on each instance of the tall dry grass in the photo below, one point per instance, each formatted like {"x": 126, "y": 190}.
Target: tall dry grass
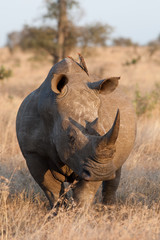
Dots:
{"x": 23, "y": 207}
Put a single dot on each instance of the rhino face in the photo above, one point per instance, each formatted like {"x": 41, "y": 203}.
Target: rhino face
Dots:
{"x": 76, "y": 136}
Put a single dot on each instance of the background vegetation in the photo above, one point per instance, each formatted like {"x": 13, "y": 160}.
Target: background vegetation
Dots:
{"x": 63, "y": 35}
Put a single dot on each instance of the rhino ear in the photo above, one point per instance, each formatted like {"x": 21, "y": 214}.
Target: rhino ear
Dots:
{"x": 104, "y": 86}
{"x": 58, "y": 83}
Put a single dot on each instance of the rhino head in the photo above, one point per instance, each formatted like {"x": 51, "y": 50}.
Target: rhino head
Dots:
{"x": 72, "y": 106}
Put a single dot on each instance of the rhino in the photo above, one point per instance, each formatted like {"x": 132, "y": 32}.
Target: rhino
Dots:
{"x": 76, "y": 129}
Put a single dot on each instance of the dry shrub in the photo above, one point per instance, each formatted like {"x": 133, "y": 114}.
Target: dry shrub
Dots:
{"x": 21, "y": 218}
{"x": 8, "y": 141}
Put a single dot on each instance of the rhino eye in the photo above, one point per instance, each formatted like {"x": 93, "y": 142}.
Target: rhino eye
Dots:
{"x": 72, "y": 139}
{"x": 72, "y": 136}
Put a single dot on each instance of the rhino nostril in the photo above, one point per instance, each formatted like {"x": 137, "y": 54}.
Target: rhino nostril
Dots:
{"x": 86, "y": 174}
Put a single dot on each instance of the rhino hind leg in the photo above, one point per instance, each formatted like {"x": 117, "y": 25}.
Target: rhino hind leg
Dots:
{"x": 109, "y": 189}
{"x": 41, "y": 173}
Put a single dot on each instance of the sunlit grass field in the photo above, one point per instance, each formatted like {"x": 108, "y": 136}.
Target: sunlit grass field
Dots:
{"x": 24, "y": 210}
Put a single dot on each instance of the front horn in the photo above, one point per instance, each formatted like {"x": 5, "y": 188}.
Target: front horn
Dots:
{"x": 111, "y": 136}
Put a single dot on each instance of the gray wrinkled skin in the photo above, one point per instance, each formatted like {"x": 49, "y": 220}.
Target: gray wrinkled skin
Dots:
{"x": 70, "y": 129}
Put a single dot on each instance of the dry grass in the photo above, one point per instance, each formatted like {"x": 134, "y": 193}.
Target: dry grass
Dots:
{"x": 23, "y": 207}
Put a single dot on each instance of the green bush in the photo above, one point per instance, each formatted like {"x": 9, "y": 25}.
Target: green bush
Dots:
{"x": 5, "y": 73}
{"x": 147, "y": 102}
{"x": 132, "y": 61}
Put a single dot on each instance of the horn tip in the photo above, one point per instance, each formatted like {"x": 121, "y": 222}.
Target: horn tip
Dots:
{"x": 117, "y": 119}
{"x": 118, "y": 112}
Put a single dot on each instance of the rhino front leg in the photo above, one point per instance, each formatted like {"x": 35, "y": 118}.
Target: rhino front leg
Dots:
{"x": 84, "y": 192}
{"x": 41, "y": 173}
{"x": 109, "y": 189}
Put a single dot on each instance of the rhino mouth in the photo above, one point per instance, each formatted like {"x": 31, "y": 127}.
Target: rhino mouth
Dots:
{"x": 98, "y": 172}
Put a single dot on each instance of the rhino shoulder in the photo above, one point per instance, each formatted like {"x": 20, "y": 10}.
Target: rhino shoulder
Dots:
{"x": 29, "y": 126}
